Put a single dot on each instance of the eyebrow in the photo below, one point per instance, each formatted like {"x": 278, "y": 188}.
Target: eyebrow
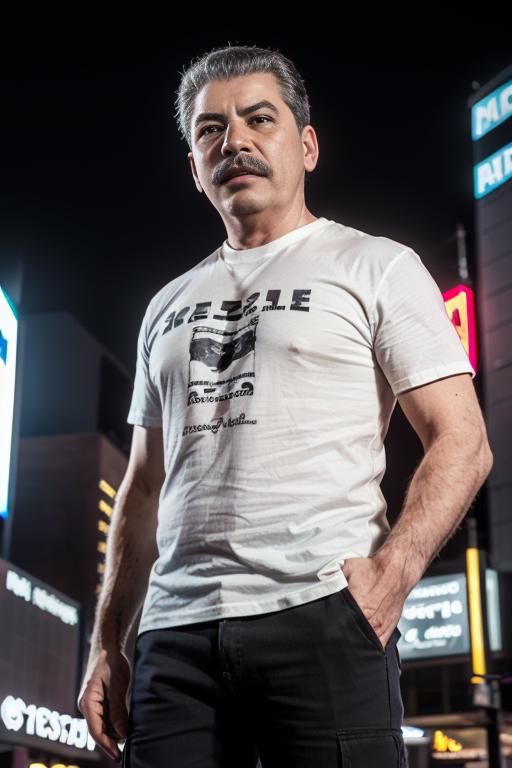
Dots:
{"x": 242, "y": 112}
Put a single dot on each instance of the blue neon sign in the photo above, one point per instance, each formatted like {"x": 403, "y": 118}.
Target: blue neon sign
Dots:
{"x": 492, "y": 110}
{"x": 492, "y": 172}
{"x": 8, "y": 338}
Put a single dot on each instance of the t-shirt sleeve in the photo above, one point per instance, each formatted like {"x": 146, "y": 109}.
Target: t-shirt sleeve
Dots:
{"x": 414, "y": 340}
{"x": 145, "y": 408}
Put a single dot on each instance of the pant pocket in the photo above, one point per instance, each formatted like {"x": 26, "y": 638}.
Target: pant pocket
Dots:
{"x": 361, "y": 620}
{"x": 372, "y": 746}
{"x": 399, "y": 660}
{"x": 125, "y": 762}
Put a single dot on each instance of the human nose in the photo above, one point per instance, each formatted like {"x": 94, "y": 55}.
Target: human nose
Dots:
{"x": 236, "y": 139}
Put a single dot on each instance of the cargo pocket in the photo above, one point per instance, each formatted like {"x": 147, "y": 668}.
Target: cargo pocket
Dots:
{"x": 372, "y": 746}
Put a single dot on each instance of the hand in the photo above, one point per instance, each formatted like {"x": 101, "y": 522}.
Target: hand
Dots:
{"x": 102, "y": 700}
{"x": 380, "y": 598}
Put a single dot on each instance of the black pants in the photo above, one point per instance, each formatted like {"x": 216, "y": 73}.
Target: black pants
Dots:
{"x": 305, "y": 687}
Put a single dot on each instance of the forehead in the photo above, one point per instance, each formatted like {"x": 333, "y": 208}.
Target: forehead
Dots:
{"x": 220, "y": 95}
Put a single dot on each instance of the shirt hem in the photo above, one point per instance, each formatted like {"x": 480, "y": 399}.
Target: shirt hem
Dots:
{"x": 432, "y": 374}
{"x": 143, "y": 421}
{"x": 252, "y": 608}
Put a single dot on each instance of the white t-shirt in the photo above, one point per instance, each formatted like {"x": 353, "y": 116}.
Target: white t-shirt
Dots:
{"x": 274, "y": 372}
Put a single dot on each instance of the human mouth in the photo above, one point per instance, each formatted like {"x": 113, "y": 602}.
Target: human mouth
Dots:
{"x": 241, "y": 178}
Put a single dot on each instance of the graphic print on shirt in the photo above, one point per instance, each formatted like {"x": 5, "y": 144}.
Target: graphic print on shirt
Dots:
{"x": 222, "y": 363}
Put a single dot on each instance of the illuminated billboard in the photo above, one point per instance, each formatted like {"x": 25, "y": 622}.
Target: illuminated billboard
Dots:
{"x": 8, "y": 343}
{"x": 435, "y": 620}
{"x": 39, "y": 664}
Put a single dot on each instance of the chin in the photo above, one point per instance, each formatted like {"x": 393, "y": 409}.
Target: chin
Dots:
{"x": 244, "y": 210}
{"x": 245, "y": 204}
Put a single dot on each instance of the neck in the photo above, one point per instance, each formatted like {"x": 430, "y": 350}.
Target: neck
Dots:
{"x": 252, "y": 231}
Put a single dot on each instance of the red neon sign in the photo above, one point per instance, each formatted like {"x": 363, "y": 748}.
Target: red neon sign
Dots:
{"x": 460, "y": 305}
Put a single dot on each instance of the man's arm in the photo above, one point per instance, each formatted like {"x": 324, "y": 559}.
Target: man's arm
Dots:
{"x": 131, "y": 551}
{"x": 448, "y": 420}
{"x": 131, "y": 541}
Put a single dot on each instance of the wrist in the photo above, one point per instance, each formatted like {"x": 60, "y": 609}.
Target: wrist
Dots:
{"x": 106, "y": 638}
{"x": 398, "y": 566}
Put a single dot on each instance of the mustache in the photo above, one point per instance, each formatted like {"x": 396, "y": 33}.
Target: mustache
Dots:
{"x": 251, "y": 164}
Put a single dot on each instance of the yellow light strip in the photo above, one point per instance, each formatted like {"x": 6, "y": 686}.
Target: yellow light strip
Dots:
{"x": 476, "y": 626}
{"x": 107, "y": 488}
{"x": 103, "y": 526}
{"x": 104, "y": 507}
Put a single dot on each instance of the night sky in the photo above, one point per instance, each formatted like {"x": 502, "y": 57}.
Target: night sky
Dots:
{"x": 97, "y": 194}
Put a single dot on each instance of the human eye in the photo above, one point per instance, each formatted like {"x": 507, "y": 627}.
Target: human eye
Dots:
{"x": 207, "y": 129}
{"x": 203, "y": 130}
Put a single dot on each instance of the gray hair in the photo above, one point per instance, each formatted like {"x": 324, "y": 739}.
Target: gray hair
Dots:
{"x": 234, "y": 61}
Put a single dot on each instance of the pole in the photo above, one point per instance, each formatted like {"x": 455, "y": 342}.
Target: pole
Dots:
{"x": 486, "y": 687}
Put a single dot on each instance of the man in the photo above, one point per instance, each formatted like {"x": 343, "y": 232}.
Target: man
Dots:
{"x": 266, "y": 377}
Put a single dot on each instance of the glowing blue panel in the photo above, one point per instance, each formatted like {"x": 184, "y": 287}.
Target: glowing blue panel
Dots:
{"x": 492, "y": 172}
{"x": 492, "y": 110}
{"x": 8, "y": 338}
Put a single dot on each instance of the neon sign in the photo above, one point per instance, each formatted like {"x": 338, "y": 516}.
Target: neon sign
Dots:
{"x": 21, "y": 586}
{"x": 493, "y": 171}
{"x": 8, "y": 339}
{"x": 492, "y": 110}
{"x": 45, "y": 723}
{"x": 460, "y": 305}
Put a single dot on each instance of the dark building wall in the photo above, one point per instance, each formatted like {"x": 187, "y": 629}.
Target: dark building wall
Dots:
{"x": 71, "y": 384}
{"x": 56, "y": 529}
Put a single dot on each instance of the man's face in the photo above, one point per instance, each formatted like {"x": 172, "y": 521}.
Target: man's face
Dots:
{"x": 265, "y": 139}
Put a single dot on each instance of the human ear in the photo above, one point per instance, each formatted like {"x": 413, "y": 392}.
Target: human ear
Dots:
{"x": 310, "y": 148}
{"x": 194, "y": 171}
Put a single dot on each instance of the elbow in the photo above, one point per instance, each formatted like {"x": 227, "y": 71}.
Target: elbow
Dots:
{"x": 486, "y": 457}
{"x": 479, "y": 456}
{"x": 488, "y": 461}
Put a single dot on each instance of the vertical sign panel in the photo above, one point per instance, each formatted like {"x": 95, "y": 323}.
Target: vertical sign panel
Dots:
{"x": 8, "y": 343}
{"x": 491, "y": 131}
